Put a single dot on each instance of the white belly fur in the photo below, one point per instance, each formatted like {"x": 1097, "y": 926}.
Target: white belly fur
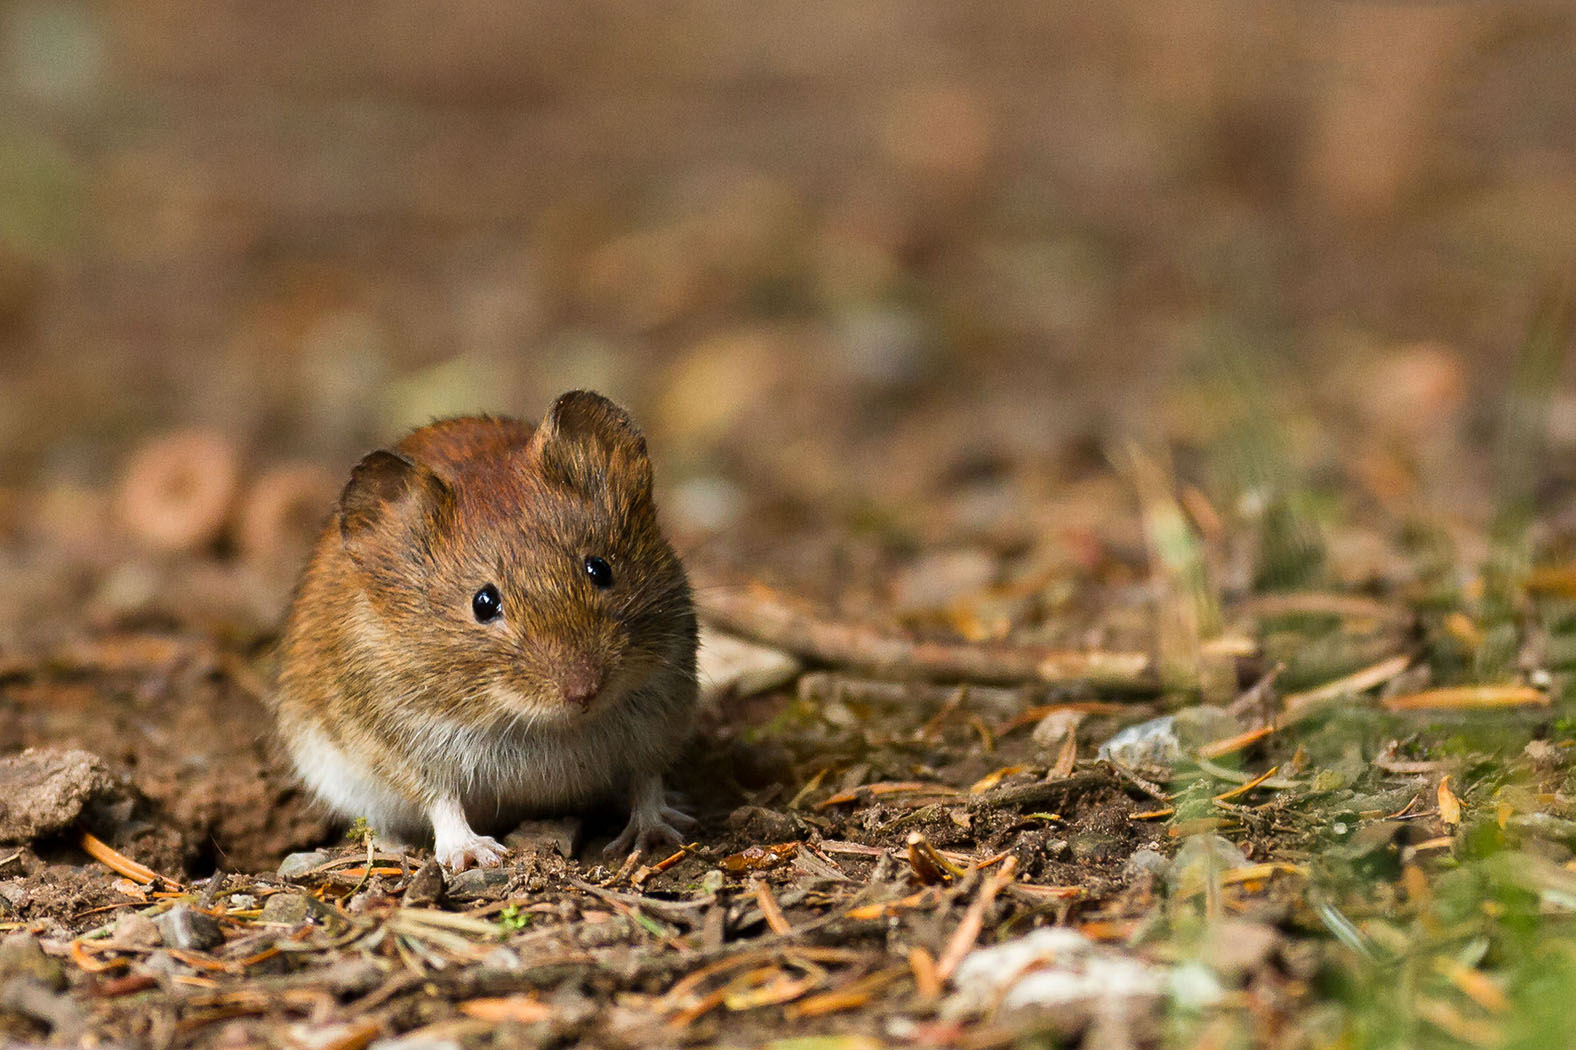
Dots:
{"x": 494, "y": 774}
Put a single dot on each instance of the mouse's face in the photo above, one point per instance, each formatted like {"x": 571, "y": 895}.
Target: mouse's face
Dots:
{"x": 545, "y": 592}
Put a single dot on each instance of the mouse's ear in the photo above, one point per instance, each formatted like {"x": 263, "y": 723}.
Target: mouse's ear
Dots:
{"x": 389, "y": 497}
{"x": 587, "y": 439}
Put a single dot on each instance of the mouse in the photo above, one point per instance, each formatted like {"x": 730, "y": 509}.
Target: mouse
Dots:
{"x": 493, "y": 625}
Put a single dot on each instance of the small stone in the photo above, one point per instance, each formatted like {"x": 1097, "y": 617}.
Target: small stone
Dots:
{"x": 417, "y": 1042}
{"x": 22, "y": 956}
{"x": 15, "y": 895}
{"x": 763, "y": 825}
{"x": 188, "y": 928}
{"x": 301, "y": 863}
{"x": 1052, "y": 730}
{"x": 43, "y": 792}
{"x": 349, "y": 978}
{"x": 288, "y": 909}
{"x": 1152, "y": 743}
{"x": 1146, "y": 862}
{"x": 1201, "y": 859}
{"x": 480, "y": 884}
{"x": 545, "y": 836}
{"x": 732, "y": 667}
{"x": 136, "y": 930}
{"x": 939, "y": 578}
{"x": 1234, "y": 948}
{"x": 1543, "y": 754}
{"x": 310, "y": 1036}
{"x": 426, "y": 884}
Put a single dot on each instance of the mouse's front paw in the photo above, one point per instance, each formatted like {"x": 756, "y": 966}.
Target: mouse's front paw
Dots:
{"x": 475, "y": 851}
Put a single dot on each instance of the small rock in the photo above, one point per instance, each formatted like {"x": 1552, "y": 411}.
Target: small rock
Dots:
{"x": 732, "y": 667}
{"x": 426, "y": 884}
{"x": 288, "y": 909}
{"x": 1052, "y": 730}
{"x": 136, "y": 930}
{"x": 545, "y": 836}
{"x": 310, "y": 1036}
{"x": 34, "y": 998}
{"x": 1146, "y": 862}
{"x": 22, "y": 956}
{"x": 43, "y": 791}
{"x": 1152, "y": 743}
{"x": 190, "y": 929}
{"x": 1543, "y": 754}
{"x": 940, "y": 578}
{"x": 417, "y": 1041}
{"x": 763, "y": 825}
{"x": 351, "y": 977}
{"x": 301, "y": 863}
{"x": 480, "y": 884}
{"x": 15, "y": 895}
{"x": 1234, "y": 948}
{"x": 1201, "y": 859}
{"x": 1053, "y": 970}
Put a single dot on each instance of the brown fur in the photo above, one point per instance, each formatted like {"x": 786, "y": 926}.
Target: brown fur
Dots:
{"x": 382, "y": 656}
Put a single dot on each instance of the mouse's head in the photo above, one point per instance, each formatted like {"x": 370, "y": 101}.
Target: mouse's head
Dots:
{"x": 524, "y": 572}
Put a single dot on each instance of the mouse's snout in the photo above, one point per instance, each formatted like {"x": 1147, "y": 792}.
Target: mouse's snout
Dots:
{"x": 580, "y": 681}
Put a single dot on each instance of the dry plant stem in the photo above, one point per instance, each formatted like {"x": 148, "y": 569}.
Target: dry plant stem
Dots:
{"x": 973, "y": 921}
{"x": 118, "y": 862}
{"x": 769, "y": 908}
{"x": 763, "y": 615}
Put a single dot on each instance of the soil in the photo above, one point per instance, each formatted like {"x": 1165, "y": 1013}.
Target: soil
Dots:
{"x": 1016, "y": 374}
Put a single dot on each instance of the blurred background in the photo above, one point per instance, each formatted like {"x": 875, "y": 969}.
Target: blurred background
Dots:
{"x": 849, "y": 263}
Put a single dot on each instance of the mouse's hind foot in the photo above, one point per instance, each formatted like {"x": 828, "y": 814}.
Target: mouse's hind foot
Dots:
{"x": 653, "y": 823}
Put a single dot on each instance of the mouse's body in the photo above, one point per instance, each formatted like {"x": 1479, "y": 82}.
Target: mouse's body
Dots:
{"x": 492, "y": 624}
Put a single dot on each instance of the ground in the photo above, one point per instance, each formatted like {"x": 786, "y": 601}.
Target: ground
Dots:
{"x": 1015, "y": 378}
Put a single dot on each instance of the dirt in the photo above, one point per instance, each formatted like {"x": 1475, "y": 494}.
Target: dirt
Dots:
{"x": 1227, "y": 352}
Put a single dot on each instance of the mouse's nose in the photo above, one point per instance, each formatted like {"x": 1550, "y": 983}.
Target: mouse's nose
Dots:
{"x": 580, "y": 682}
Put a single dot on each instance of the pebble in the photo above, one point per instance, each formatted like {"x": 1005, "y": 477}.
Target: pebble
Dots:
{"x": 136, "y": 930}
{"x": 44, "y": 791}
{"x": 301, "y": 863}
{"x": 545, "y": 836}
{"x": 290, "y": 909}
{"x": 188, "y": 928}
{"x": 351, "y": 977}
{"x": 417, "y": 1042}
{"x": 937, "y": 579}
{"x": 426, "y": 884}
{"x": 480, "y": 884}
{"x": 22, "y": 956}
{"x": 732, "y": 667}
{"x": 763, "y": 825}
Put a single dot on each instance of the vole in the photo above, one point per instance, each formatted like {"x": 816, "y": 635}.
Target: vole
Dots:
{"x": 492, "y": 623}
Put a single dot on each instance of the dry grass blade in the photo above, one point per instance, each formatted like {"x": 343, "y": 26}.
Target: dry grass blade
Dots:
{"x": 1449, "y": 803}
{"x": 1243, "y": 789}
{"x": 520, "y": 1009}
{"x": 900, "y": 787}
{"x": 119, "y": 863}
{"x": 769, "y": 909}
{"x": 851, "y": 996}
{"x": 1469, "y": 697}
{"x": 927, "y": 982}
{"x": 1232, "y": 744}
{"x": 973, "y": 920}
{"x": 1300, "y": 705}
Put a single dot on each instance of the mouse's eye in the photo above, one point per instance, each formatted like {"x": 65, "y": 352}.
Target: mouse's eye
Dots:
{"x": 600, "y": 572}
{"x": 487, "y": 604}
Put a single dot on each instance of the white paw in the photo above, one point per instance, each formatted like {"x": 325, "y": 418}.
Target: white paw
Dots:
{"x": 474, "y": 851}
